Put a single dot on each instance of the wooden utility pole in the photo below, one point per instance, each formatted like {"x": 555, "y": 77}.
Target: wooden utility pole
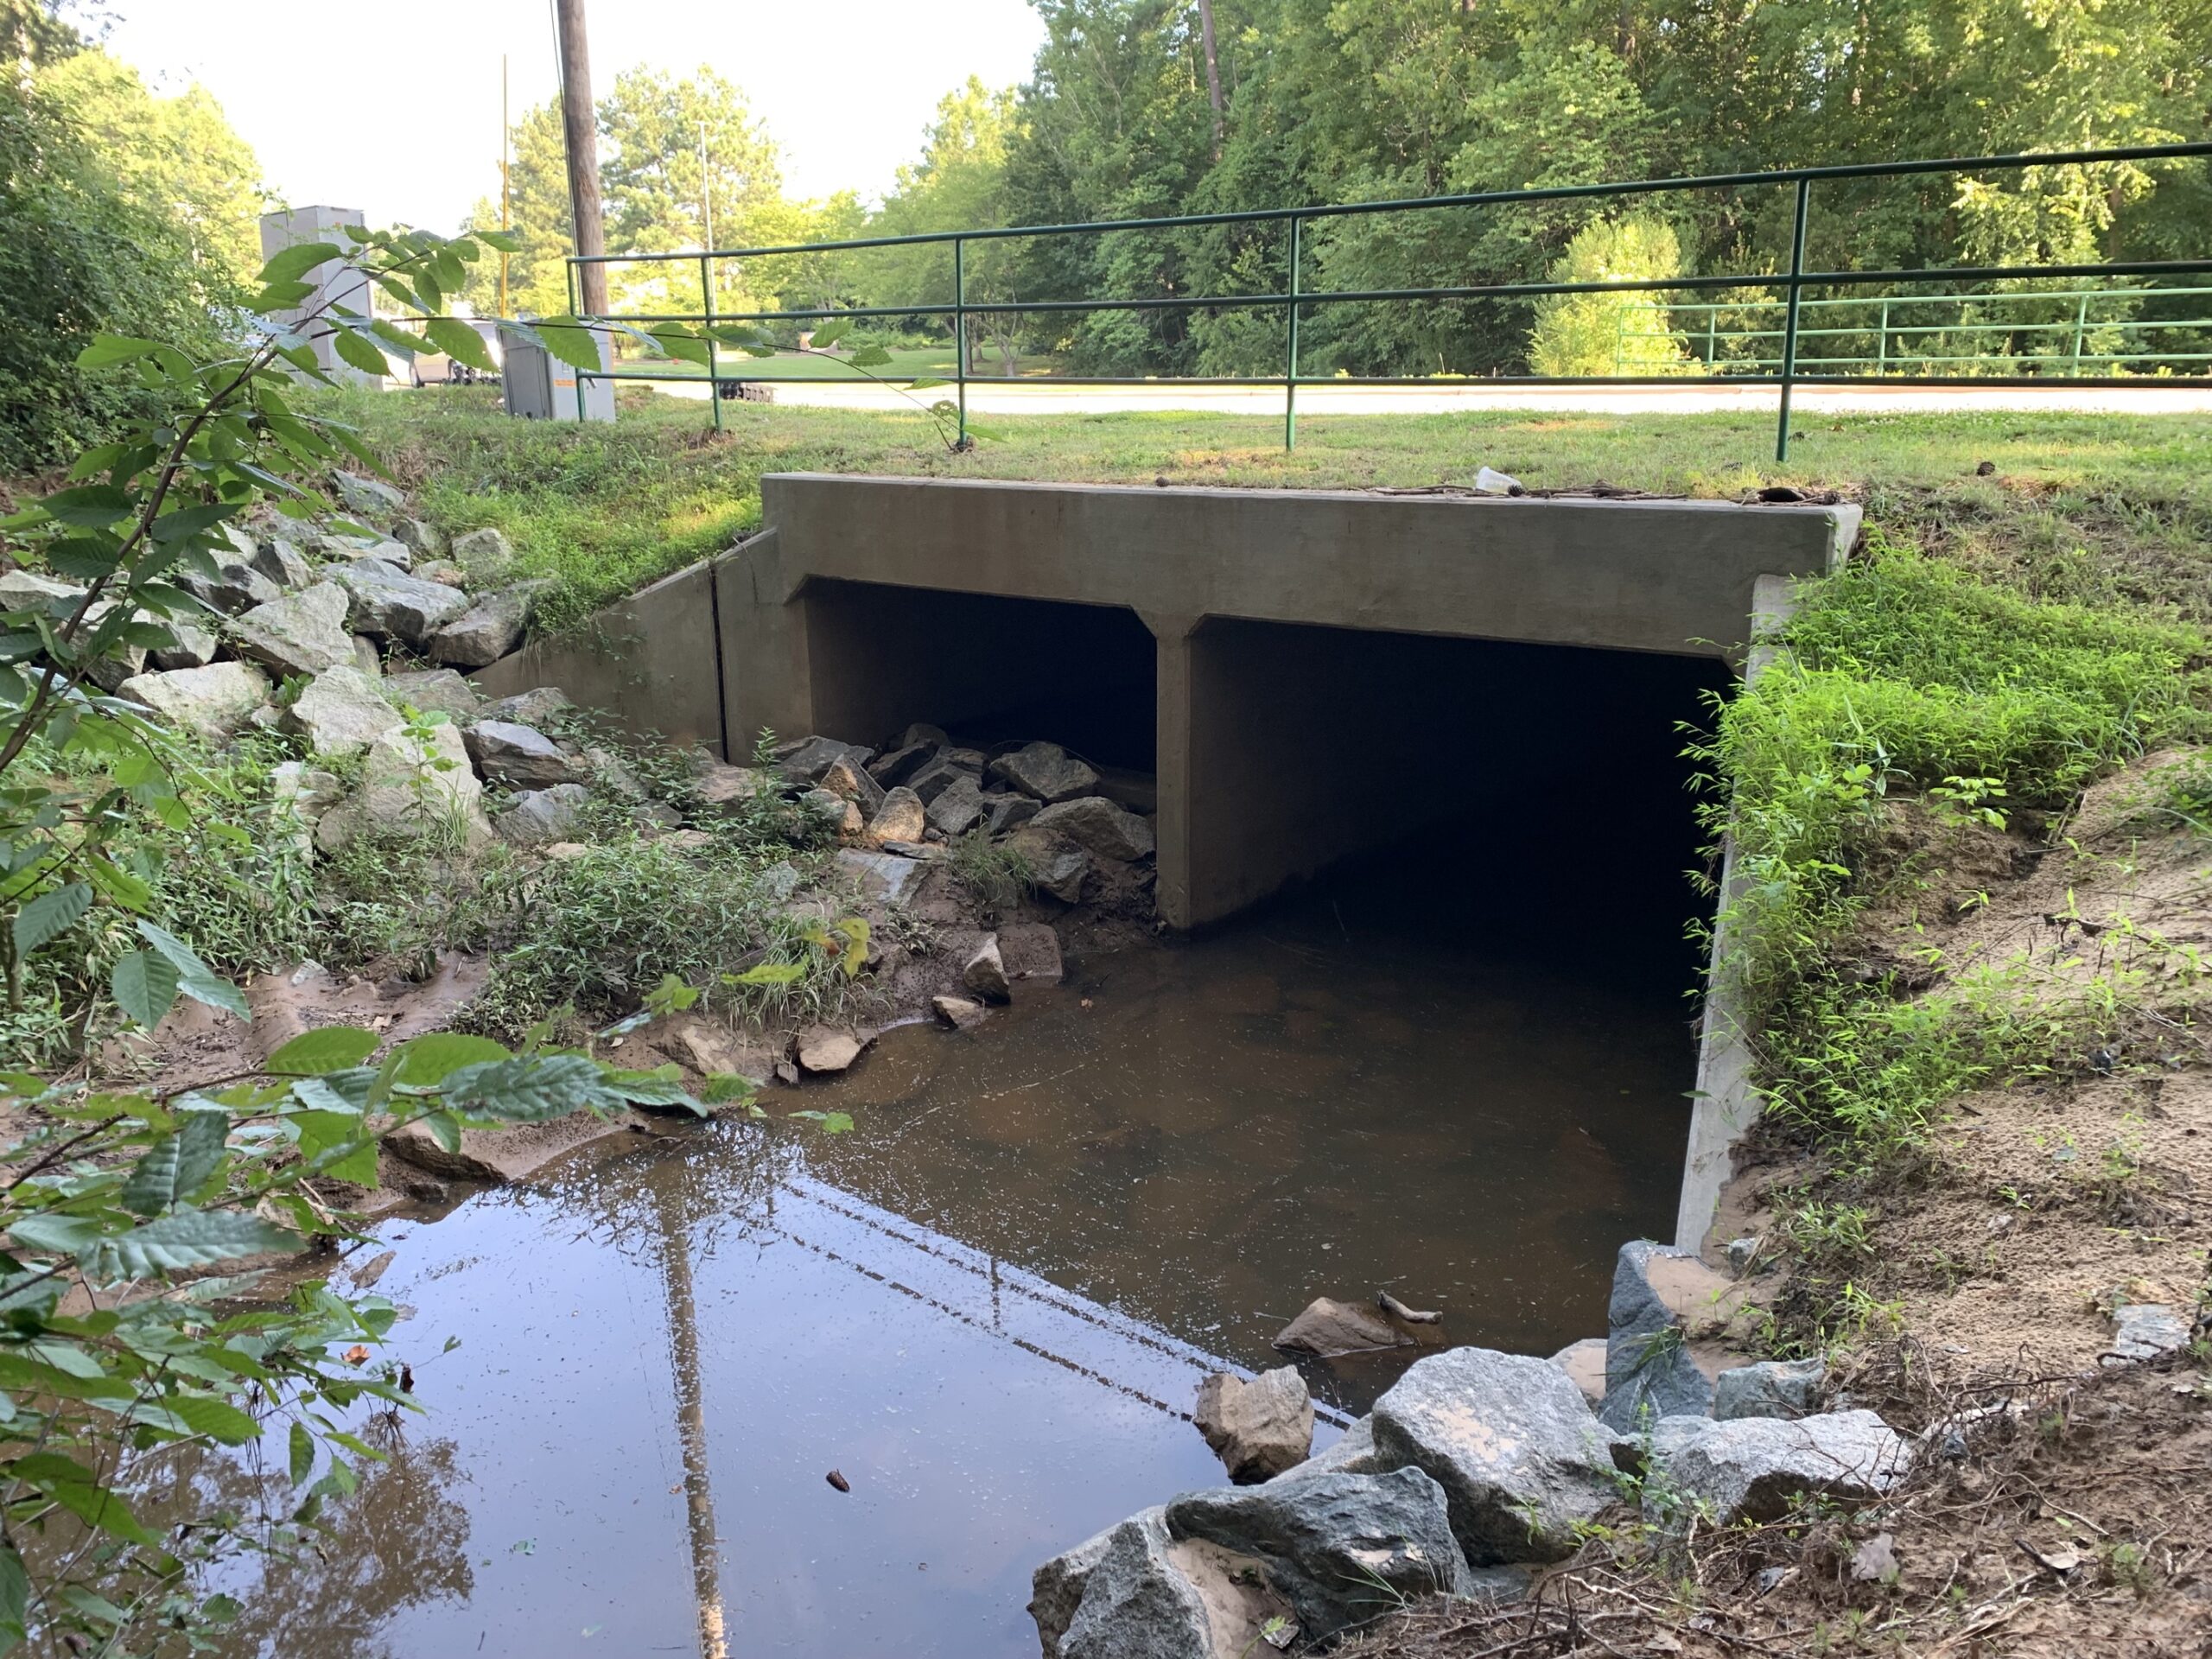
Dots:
{"x": 581, "y": 129}
{"x": 1213, "y": 73}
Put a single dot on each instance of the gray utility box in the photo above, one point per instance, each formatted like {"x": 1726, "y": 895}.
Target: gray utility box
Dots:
{"x": 539, "y": 386}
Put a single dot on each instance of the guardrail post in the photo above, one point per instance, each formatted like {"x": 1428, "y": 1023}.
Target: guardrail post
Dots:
{"x": 2081, "y": 322}
{"x": 707, "y": 309}
{"x": 1882, "y": 345}
{"x": 1790, "y": 324}
{"x": 1290, "y": 354}
{"x": 1712, "y": 346}
{"x": 960, "y": 329}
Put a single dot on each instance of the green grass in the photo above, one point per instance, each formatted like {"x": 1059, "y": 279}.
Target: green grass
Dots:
{"x": 907, "y": 363}
{"x": 2102, "y": 509}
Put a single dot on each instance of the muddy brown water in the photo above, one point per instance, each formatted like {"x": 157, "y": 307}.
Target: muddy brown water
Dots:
{"x": 988, "y": 1304}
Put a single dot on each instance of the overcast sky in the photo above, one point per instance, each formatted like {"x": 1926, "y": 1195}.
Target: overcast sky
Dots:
{"x": 846, "y": 90}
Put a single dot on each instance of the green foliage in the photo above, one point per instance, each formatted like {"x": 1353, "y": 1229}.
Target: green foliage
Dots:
{"x": 997, "y": 872}
{"x": 1611, "y": 333}
{"x": 1905, "y": 677}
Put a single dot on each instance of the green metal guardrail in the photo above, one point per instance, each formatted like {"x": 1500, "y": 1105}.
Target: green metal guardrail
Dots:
{"x": 1705, "y": 341}
{"x": 1295, "y": 299}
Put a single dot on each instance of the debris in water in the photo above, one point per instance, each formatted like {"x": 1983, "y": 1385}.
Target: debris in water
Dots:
{"x": 1398, "y": 1310}
{"x": 840, "y": 1482}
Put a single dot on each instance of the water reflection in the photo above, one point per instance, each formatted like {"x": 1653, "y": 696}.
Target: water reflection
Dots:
{"x": 989, "y": 1305}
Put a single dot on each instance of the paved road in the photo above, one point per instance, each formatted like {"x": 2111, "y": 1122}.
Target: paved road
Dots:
{"x": 1041, "y": 399}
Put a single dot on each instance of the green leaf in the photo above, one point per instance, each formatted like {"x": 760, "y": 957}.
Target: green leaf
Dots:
{"x": 927, "y": 382}
{"x": 770, "y": 973}
{"x": 69, "y": 1483}
{"x": 688, "y": 348}
{"x": 293, "y": 263}
{"x": 500, "y": 241}
{"x": 662, "y": 1086}
{"x": 322, "y": 1131}
{"x": 430, "y": 1059}
{"x": 870, "y": 356}
{"x": 187, "y": 1238}
{"x": 826, "y": 334}
{"x": 48, "y": 914}
{"x": 358, "y": 353}
{"x": 332, "y": 1048}
{"x": 279, "y": 296}
{"x": 107, "y": 350}
{"x": 527, "y": 1090}
{"x": 15, "y": 1597}
{"x": 144, "y": 986}
{"x": 194, "y": 978}
{"x": 570, "y": 341}
{"x": 217, "y": 1418}
{"x": 176, "y": 1166}
{"x": 460, "y": 342}
{"x": 88, "y": 506}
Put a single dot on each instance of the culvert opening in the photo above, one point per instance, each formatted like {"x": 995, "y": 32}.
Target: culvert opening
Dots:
{"x": 988, "y": 668}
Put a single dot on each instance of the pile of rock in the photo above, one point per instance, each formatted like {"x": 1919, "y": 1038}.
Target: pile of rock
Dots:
{"x": 1471, "y": 1475}
{"x": 293, "y": 600}
{"x": 922, "y": 789}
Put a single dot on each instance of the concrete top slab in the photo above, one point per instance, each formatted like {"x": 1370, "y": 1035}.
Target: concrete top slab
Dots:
{"x": 1672, "y": 576}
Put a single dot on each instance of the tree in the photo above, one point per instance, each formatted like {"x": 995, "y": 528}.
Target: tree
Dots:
{"x": 177, "y": 156}
{"x": 1617, "y": 334}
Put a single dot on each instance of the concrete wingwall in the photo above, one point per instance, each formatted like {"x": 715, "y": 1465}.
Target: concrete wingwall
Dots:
{"x": 1282, "y": 661}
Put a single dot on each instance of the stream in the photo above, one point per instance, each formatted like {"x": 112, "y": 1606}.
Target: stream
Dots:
{"x": 988, "y": 1304}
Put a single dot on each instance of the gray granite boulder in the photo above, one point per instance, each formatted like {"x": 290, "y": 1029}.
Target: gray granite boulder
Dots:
{"x": 436, "y": 692}
{"x": 1584, "y": 1363}
{"x": 941, "y": 774}
{"x": 901, "y": 816}
{"x": 832, "y": 815}
{"x": 192, "y": 645}
{"x": 1513, "y": 1444}
{"x": 341, "y": 711}
{"x": 845, "y": 776}
{"x": 395, "y": 604}
{"x": 492, "y": 628}
{"x": 984, "y": 972}
{"x": 899, "y": 765}
{"x": 1352, "y": 1453}
{"x": 414, "y": 787}
{"x": 1773, "y": 1387}
{"x": 1007, "y": 813}
{"x": 275, "y": 558}
{"x": 236, "y": 586}
{"x": 808, "y": 762}
{"x": 214, "y": 702}
{"x": 518, "y": 756}
{"x": 1664, "y": 1300}
{"x": 1325, "y": 1328}
{"x": 1340, "y": 1548}
{"x": 1753, "y": 1468}
{"x": 1095, "y": 825}
{"x": 300, "y": 633}
{"x": 358, "y": 493}
{"x": 1134, "y": 1593}
{"x": 958, "y": 808}
{"x": 484, "y": 553}
{"x": 537, "y": 817}
{"x": 1045, "y": 771}
{"x": 533, "y": 707}
{"x": 419, "y": 536}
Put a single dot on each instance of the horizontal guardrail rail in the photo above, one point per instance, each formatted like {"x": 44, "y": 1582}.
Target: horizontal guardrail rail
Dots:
{"x": 1786, "y": 370}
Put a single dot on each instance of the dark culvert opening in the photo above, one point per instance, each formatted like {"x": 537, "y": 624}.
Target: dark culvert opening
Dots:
{"x": 1532, "y": 797}
{"x": 988, "y": 668}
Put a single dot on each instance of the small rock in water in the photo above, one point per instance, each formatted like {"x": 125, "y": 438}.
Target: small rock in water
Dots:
{"x": 1260, "y": 1428}
{"x": 1398, "y": 1310}
{"x": 958, "y": 1012}
{"x": 1329, "y": 1327}
{"x": 984, "y": 973}
{"x": 823, "y": 1049}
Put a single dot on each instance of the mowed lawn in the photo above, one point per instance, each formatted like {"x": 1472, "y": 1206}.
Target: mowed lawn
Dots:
{"x": 2098, "y": 507}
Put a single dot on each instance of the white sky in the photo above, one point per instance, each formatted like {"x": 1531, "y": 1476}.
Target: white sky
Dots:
{"x": 846, "y": 90}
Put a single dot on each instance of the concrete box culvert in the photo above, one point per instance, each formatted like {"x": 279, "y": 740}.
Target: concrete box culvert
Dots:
{"x": 865, "y": 603}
